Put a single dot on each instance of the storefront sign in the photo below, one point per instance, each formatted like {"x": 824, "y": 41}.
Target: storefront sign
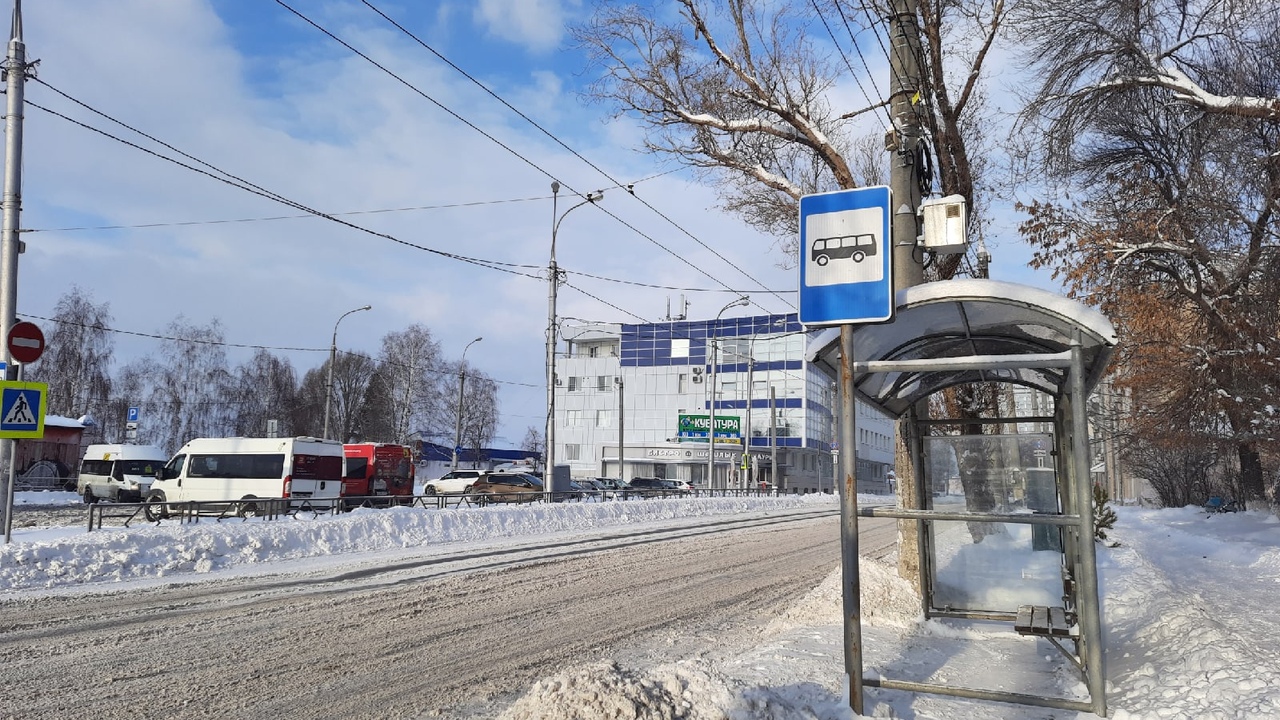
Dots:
{"x": 694, "y": 427}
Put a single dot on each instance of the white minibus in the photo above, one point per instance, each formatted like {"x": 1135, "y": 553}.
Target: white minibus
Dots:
{"x": 119, "y": 473}
{"x": 305, "y": 470}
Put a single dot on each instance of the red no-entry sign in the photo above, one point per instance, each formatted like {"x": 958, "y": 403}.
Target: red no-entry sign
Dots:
{"x": 26, "y": 342}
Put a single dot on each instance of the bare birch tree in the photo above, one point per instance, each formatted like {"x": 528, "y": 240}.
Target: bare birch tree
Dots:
{"x": 266, "y": 388}
{"x": 76, "y": 362}
{"x": 188, "y": 385}
{"x": 410, "y": 368}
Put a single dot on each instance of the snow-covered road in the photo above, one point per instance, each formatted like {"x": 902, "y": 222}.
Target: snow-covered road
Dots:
{"x": 453, "y": 632}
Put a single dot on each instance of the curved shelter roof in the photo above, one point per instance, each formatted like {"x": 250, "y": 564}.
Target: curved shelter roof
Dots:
{"x": 962, "y": 331}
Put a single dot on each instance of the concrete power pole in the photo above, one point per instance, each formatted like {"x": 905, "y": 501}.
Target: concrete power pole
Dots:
{"x": 906, "y": 104}
{"x": 15, "y": 76}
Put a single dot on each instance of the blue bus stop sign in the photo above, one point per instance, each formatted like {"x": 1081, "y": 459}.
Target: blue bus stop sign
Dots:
{"x": 846, "y": 260}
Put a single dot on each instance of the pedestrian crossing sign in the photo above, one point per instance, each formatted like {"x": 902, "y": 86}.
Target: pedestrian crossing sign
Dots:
{"x": 22, "y": 409}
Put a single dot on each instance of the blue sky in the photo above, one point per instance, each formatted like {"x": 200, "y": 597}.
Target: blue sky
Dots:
{"x": 250, "y": 88}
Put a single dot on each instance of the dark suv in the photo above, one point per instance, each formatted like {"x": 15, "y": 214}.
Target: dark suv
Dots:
{"x": 649, "y": 487}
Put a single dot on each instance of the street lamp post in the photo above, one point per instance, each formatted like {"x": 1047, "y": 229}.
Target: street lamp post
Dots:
{"x": 553, "y": 277}
{"x": 333, "y": 355}
{"x": 462, "y": 382}
{"x": 751, "y": 366}
{"x": 711, "y": 405}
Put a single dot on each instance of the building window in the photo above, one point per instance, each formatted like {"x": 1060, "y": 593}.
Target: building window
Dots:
{"x": 603, "y": 382}
{"x": 572, "y": 418}
{"x": 572, "y": 451}
{"x": 682, "y": 383}
{"x": 573, "y": 383}
{"x": 604, "y": 418}
{"x": 593, "y": 350}
{"x": 680, "y": 347}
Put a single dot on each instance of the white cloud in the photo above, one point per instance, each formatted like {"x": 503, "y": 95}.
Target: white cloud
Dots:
{"x": 536, "y": 24}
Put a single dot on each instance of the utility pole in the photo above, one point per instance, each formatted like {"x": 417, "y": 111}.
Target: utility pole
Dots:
{"x": 904, "y": 141}
{"x": 16, "y": 70}
{"x": 553, "y": 278}
{"x": 621, "y": 426}
{"x": 773, "y": 440}
{"x": 15, "y": 76}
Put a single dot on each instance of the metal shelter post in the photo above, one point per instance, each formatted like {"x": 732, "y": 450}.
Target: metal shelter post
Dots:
{"x": 1087, "y": 577}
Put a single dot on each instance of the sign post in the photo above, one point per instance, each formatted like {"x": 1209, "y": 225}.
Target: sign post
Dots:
{"x": 21, "y": 406}
{"x": 846, "y": 278}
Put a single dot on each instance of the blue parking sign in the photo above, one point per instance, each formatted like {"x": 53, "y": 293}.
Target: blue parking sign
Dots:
{"x": 846, "y": 257}
{"x": 133, "y": 415}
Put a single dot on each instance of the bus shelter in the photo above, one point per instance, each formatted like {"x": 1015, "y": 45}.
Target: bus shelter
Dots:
{"x": 1002, "y": 507}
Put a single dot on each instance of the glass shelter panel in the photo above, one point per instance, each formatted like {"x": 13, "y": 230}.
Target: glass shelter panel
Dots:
{"x": 993, "y": 566}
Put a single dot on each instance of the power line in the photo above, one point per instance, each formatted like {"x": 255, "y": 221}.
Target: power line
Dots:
{"x": 817, "y": 10}
{"x": 506, "y": 147}
{"x": 221, "y": 343}
{"x": 270, "y": 218}
{"x": 235, "y": 181}
{"x": 249, "y": 187}
{"x": 562, "y": 144}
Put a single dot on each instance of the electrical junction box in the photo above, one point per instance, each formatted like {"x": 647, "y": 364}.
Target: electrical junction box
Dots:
{"x": 944, "y": 225}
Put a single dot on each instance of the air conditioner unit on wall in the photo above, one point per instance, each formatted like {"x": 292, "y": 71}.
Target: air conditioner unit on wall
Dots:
{"x": 697, "y": 370}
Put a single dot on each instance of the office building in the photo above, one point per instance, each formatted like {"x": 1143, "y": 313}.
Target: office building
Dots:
{"x": 646, "y": 389}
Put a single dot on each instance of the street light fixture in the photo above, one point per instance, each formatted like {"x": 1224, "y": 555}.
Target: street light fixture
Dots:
{"x": 711, "y": 405}
{"x": 333, "y": 354}
{"x": 462, "y": 382}
{"x": 553, "y": 277}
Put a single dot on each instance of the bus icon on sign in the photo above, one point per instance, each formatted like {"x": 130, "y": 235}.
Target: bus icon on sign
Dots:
{"x": 854, "y": 247}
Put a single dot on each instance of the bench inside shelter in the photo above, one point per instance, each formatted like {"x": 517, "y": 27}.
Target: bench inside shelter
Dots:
{"x": 1043, "y": 621}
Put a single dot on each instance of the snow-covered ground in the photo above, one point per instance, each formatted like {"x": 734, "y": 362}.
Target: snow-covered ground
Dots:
{"x": 1190, "y": 625}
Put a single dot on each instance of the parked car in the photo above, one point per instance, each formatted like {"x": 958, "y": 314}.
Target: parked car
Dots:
{"x": 457, "y": 481}
{"x": 649, "y": 487}
{"x": 506, "y": 487}
{"x": 590, "y": 488}
{"x": 680, "y": 485}
{"x": 614, "y": 489}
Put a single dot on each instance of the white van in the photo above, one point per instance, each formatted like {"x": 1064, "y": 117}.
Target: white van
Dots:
{"x": 241, "y": 470}
{"x": 119, "y": 473}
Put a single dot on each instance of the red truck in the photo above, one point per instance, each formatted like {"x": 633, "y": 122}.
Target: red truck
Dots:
{"x": 377, "y": 470}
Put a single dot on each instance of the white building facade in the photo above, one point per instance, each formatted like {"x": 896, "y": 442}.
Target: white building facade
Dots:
{"x": 644, "y": 391}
